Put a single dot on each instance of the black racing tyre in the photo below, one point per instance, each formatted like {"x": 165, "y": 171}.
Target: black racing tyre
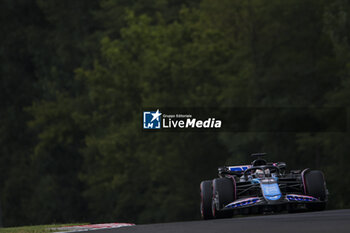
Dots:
{"x": 206, "y": 191}
{"x": 315, "y": 186}
{"x": 223, "y": 194}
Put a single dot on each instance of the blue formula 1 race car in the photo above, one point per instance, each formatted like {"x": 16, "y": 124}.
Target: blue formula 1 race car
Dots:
{"x": 261, "y": 187}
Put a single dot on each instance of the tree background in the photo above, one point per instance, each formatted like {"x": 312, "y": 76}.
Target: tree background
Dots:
{"x": 75, "y": 76}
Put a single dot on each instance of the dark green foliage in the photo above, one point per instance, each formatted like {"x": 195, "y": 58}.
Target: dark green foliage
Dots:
{"x": 75, "y": 76}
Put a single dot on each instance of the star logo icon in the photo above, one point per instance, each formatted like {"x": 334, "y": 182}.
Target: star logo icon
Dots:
{"x": 156, "y": 115}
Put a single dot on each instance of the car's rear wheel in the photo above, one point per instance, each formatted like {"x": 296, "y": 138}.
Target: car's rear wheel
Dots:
{"x": 223, "y": 194}
{"x": 315, "y": 186}
{"x": 206, "y": 191}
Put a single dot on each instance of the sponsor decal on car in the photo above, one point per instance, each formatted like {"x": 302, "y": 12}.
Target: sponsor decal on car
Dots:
{"x": 297, "y": 197}
{"x": 239, "y": 168}
{"x": 243, "y": 202}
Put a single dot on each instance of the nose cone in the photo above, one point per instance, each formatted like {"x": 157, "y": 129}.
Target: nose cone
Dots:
{"x": 270, "y": 190}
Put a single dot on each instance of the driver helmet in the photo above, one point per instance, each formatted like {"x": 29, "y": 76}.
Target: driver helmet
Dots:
{"x": 259, "y": 173}
{"x": 267, "y": 172}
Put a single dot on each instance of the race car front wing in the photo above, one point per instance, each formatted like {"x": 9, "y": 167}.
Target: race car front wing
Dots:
{"x": 285, "y": 199}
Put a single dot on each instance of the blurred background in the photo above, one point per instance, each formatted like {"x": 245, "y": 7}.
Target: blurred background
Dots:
{"x": 76, "y": 74}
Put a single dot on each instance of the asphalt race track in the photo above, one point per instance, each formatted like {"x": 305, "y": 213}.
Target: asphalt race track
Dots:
{"x": 332, "y": 221}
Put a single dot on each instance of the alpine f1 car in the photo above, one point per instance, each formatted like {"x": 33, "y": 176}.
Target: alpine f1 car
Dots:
{"x": 261, "y": 187}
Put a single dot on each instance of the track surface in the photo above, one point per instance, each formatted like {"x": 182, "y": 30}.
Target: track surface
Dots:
{"x": 333, "y": 221}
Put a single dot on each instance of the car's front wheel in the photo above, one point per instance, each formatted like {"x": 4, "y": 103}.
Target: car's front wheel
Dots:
{"x": 223, "y": 194}
{"x": 315, "y": 186}
{"x": 206, "y": 191}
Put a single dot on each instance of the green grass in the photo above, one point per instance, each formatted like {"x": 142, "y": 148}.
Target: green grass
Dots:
{"x": 35, "y": 229}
